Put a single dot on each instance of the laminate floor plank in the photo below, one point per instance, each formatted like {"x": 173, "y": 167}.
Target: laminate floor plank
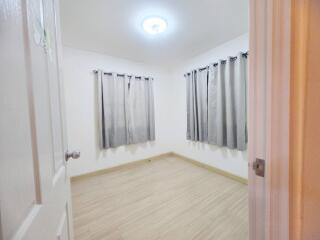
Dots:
{"x": 163, "y": 199}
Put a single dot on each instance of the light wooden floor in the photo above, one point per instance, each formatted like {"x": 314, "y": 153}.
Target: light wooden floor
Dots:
{"x": 166, "y": 199}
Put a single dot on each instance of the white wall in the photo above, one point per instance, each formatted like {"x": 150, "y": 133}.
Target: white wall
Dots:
{"x": 81, "y": 111}
{"x": 170, "y": 111}
{"x": 232, "y": 161}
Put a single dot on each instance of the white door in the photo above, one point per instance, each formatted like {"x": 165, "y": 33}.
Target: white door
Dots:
{"x": 35, "y": 195}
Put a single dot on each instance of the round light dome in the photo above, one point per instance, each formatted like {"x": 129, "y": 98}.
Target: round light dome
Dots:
{"x": 154, "y": 25}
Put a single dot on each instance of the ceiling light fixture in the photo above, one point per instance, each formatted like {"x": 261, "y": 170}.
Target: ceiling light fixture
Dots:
{"x": 154, "y": 25}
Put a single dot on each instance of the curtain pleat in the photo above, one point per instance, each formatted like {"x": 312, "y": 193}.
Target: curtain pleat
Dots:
{"x": 241, "y": 101}
{"x": 216, "y": 104}
{"x": 150, "y": 110}
{"x": 230, "y": 104}
{"x": 126, "y": 110}
{"x": 212, "y": 105}
{"x": 190, "y": 113}
{"x": 101, "y": 121}
{"x": 221, "y": 106}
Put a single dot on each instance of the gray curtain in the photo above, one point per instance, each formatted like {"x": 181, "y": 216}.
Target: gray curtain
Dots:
{"x": 126, "y": 109}
{"x": 226, "y": 103}
{"x": 197, "y": 95}
{"x": 141, "y": 110}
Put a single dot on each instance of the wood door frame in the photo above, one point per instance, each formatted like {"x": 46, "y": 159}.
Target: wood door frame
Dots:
{"x": 276, "y": 67}
{"x": 304, "y": 178}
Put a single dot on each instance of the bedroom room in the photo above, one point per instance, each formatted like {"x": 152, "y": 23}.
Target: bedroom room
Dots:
{"x": 142, "y": 84}
{"x": 159, "y": 120}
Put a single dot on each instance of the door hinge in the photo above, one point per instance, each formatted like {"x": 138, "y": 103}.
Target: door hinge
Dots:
{"x": 258, "y": 167}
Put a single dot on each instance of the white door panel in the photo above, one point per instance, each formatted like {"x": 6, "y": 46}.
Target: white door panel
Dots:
{"x": 54, "y": 86}
{"x": 35, "y": 194}
{"x": 17, "y": 163}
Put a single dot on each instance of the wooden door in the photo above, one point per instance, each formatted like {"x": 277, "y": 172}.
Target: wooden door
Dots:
{"x": 257, "y": 117}
{"x": 269, "y": 95}
{"x": 33, "y": 176}
{"x": 305, "y": 118}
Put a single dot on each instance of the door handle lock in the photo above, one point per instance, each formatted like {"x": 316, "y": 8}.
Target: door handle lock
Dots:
{"x": 73, "y": 155}
{"x": 258, "y": 167}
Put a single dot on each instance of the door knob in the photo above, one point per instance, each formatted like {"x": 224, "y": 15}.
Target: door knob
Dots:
{"x": 73, "y": 155}
{"x": 258, "y": 167}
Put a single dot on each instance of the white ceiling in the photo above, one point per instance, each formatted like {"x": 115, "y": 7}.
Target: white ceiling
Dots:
{"x": 113, "y": 27}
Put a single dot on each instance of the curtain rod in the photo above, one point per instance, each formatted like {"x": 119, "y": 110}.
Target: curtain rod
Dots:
{"x": 245, "y": 54}
{"x": 110, "y": 73}
{"x": 120, "y": 74}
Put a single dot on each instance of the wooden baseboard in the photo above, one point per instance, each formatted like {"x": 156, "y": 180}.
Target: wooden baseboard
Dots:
{"x": 121, "y": 166}
{"x": 212, "y": 169}
{"x": 158, "y": 157}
